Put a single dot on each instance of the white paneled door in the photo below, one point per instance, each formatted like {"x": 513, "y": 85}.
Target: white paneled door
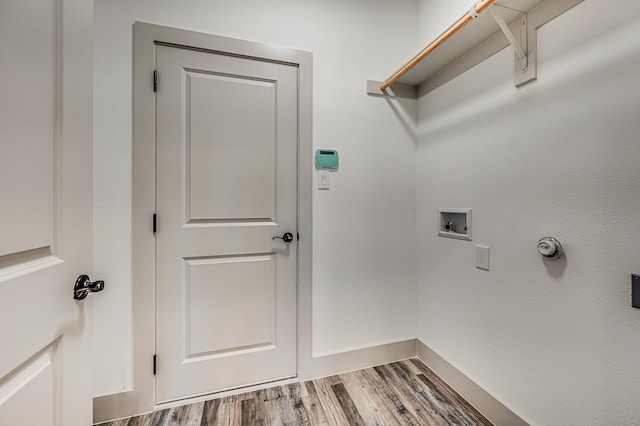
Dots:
{"x": 226, "y": 146}
{"x": 45, "y": 210}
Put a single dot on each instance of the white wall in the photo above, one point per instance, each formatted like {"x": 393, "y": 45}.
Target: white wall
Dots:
{"x": 364, "y": 269}
{"x": 435, "y": 16}
{"x": 557, "y": 342}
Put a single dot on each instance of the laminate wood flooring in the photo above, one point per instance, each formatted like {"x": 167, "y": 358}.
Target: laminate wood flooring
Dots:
{"x": 399, "y": 393}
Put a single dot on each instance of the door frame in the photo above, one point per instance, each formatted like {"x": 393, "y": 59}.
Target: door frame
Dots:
{"x": 141, "y": 398}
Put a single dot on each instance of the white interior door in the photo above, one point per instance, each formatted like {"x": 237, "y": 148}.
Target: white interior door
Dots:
{"x": 227, "y": 135}
{"x": 45, "y": 210}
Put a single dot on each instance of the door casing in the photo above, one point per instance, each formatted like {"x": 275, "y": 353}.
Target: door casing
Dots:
{"x": 141, "y": 397}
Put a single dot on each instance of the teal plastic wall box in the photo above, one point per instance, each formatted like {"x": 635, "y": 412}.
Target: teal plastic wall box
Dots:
{"x": 326, "y": 158}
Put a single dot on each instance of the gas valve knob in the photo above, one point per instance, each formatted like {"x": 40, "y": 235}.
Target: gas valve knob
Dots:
{"x": 550, "y": 247}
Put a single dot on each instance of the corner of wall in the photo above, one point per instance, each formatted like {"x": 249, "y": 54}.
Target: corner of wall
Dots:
{"x": 482, "y": 400}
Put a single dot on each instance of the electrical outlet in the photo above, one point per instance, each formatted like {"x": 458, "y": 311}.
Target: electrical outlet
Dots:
{"x": 482, "y": 257}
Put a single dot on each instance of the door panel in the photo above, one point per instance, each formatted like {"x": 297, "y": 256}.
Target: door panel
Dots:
{"x": 29, "y": 94}
{"x": 35, "y": 380}
{"x": 45, "y": 214}
{"x": 239, "y": 165}
{"x": 226, "y": 185}
{"x": 219, "y": 281}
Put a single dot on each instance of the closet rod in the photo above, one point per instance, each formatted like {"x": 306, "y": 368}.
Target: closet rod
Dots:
{"x": 479, "y": 8}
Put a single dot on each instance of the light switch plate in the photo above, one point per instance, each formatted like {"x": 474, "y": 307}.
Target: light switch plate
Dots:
{"x": 482, "y": 257}
{"x": 323, "y": 180}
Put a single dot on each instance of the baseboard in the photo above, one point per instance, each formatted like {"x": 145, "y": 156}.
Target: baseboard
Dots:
{"x": 343, "y": 362}
{"x": 118, "y": 405}
{"x": 487, "y": 404}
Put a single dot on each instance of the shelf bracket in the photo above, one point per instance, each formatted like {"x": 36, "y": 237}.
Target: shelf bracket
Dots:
{"x": 519, "y": 51}
{"x": 397, "y": 91}
{"x": 523, "y": 74}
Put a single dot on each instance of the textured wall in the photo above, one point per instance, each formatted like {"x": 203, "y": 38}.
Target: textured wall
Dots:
{"x": 557, "y": 342}
{"x": 364, "y": 272}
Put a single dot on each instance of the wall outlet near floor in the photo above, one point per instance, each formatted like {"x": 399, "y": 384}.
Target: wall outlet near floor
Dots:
{"x": 482, "y": 257}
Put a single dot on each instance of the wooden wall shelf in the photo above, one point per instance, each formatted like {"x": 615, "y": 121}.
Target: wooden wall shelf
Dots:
{"x": 475, "y": 42}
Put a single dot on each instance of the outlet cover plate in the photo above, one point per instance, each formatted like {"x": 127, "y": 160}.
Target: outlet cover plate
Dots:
{"x": 482, "y": 257}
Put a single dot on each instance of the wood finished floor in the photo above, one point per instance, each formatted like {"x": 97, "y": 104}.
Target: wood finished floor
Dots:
{"x": 400, "y": 393}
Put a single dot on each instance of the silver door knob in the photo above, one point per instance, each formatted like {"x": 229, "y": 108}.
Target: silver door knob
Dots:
{"x": 84, "y": 286}
{"x": 549, "y": 247}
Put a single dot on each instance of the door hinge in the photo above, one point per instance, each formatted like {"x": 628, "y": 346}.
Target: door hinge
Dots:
{"x": 155, "y": 80}
{"x": 155, "y": 363}
{"x": 155, "y": 223}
